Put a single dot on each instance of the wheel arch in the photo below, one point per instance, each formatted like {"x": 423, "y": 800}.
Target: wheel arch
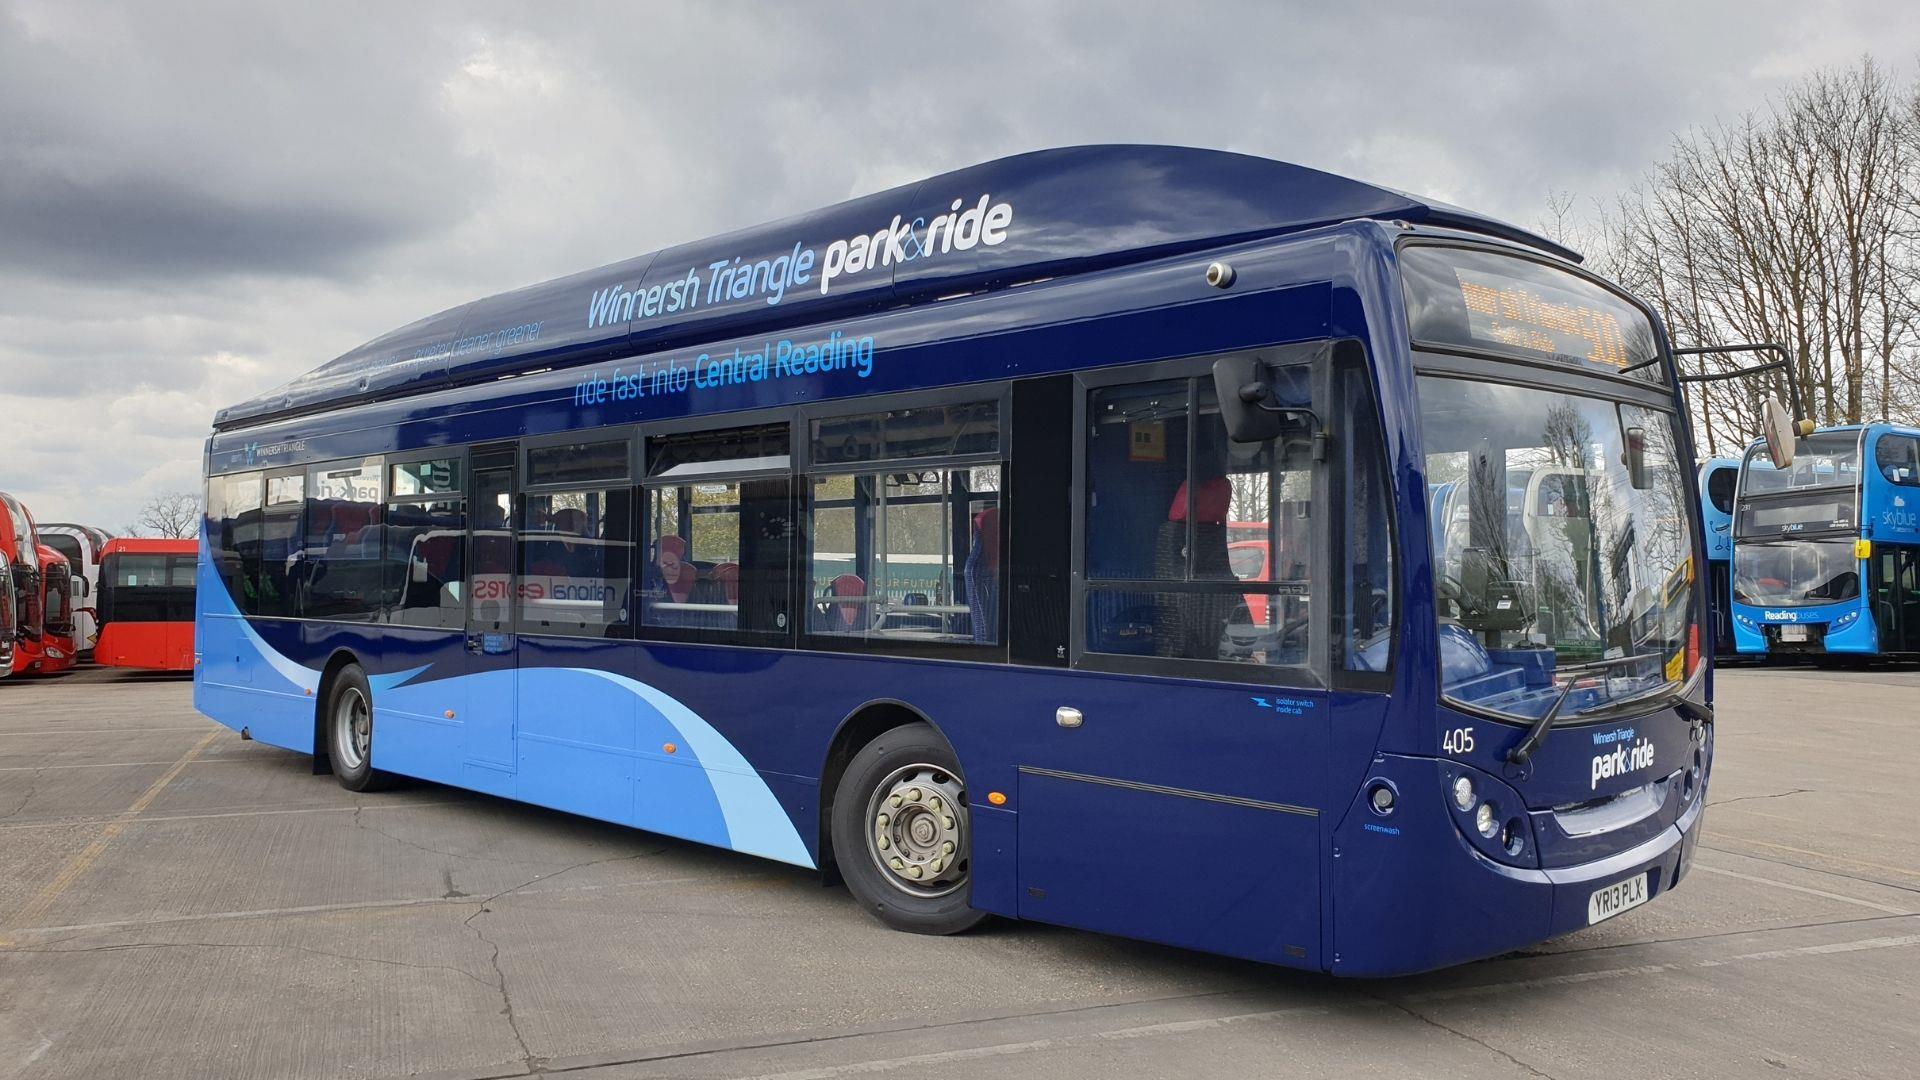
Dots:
{"x": 322, "y": 755}
{"x": 860, "y": 727}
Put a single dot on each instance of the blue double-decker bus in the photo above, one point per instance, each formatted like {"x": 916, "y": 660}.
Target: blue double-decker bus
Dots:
{"x": 1826, "y": 560}
{"x": 1051, "y": 539}
{"x": 1719, "y": 478}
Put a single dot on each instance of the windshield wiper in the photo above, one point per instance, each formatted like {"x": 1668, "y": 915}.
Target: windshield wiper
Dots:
{"x": 1524, "y": 750}
{"x": 1672, "y": 697}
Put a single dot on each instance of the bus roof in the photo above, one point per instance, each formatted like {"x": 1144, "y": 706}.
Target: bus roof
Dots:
{"x": 1046, "y": 214}
{"x": 128, "y": 545}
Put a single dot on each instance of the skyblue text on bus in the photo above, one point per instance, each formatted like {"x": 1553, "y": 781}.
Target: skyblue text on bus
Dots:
{"x": 781, "y": 359}
{"x": 984, "y": 223}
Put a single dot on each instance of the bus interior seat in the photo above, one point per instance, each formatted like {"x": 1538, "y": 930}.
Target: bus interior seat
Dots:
{"x": 727, "y": 576}
{"x": 843, "y": 618}
{"x": 1192, "y": 624}
{"x": 982, "y": 572}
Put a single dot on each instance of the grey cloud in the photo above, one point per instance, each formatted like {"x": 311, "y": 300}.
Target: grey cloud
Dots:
{"x": 198, "y": 202}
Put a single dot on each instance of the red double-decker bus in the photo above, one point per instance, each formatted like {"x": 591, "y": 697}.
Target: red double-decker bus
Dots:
{"x": 146, "y": 605}
{"x": 59, "y": 640}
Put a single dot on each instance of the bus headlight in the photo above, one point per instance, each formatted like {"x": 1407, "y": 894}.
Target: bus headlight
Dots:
{"x": 1483, "y": 819}
{"x": 1463, "y": 793}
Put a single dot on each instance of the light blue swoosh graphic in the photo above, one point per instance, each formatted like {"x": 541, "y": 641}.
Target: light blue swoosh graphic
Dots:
{"x": 754, "y": 821}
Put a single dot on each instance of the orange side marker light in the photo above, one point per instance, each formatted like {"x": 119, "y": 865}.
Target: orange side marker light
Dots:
{"x": 997, "y": 798}
{"x": 669, "y": 747}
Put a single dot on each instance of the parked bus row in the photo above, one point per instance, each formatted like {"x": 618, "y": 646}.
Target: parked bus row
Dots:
{"x": 71, "y": 594}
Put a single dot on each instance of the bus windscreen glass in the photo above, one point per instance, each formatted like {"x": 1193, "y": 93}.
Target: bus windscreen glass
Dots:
{"x": 1488, "y": 302}
{"x": 1823, "y": 459}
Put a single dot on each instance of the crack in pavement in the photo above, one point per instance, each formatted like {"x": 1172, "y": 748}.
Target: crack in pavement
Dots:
{"x": 1451, "y": 1030}
{"x": 1748, "y": 798}
{"x": 1861, "y": 878}
{"x": 33, "y": 784}
{"x": 531, "y": 1065}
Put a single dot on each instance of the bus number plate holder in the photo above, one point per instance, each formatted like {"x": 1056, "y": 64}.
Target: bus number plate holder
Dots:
{"x": 1793, "y": 632}
{"x": 1620, "y": 896}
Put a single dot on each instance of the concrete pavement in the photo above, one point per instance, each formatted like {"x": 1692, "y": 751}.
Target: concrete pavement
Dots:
{"x": 179, "y": 903}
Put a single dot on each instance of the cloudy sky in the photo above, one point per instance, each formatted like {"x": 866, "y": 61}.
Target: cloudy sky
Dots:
{"x": 199, "y": 201}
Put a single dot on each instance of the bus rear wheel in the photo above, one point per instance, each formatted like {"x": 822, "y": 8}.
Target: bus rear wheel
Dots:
{"x": 350, "y": 731}
{"x": 900, "y": 832}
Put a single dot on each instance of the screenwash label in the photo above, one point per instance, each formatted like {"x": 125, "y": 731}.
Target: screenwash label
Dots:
{"x": 965, "y": 226}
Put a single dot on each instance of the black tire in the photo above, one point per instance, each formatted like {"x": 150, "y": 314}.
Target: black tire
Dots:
{"x": 348, "y": 725}
{"x": 909, "y": 759}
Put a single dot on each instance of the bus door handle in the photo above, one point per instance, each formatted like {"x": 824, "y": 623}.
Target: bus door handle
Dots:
{"x": 475, "y": 643}
{"x": 1067, "y": 716}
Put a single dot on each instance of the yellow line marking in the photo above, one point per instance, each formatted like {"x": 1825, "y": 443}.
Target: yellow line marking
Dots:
{"x": 108, "y": 834}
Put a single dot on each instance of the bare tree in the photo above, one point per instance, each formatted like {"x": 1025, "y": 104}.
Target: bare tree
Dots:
{"x": 170, "y": 515}
{"x": 1798, "y": 224}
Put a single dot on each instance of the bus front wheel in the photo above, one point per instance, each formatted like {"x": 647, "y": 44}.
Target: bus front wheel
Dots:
{"x": 900, "y": 832}
{"x": 350, "y": 731}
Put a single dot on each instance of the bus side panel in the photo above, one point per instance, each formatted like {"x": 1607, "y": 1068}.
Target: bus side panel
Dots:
{"x": 1251, "y": 871}
{"x": 245, "y": 683}
{"x": 419, "y": 703}
{"x": 179, "y": 646}
{"x": 575, "y": 738}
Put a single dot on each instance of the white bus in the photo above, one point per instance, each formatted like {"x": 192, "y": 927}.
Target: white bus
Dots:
{"x": 83, "y": 546}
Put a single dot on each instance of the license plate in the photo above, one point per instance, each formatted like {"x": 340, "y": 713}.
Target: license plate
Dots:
{"x": 1620, "y": 896}
{"x": 1793, "y": 633}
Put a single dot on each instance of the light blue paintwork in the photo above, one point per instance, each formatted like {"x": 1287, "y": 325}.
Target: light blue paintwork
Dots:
{"x": 705, "y": 790}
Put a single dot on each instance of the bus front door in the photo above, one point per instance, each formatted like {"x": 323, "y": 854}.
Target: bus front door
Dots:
{"x": 491, "y": 645}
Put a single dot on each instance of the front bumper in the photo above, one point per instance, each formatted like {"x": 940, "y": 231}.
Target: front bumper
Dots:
{"x": 1420, "y": 897}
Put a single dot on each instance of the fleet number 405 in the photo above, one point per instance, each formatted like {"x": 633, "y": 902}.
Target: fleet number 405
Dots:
{"x": 1457, "y": 741}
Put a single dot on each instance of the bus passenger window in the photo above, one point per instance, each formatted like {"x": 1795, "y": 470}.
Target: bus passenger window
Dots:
{"x": 233, "y": 535}
{"x": 1898, "y": 458}
{"x": 1197, "y": 547}
{"x": 1364, "y": 641}
{"x": 718, "y": 533}
{"x": 280, "y": 543}
{"x": 905, "y": 532}
{"x": 426, "y": 544}
{"x": 342, "y": 558}
{"x": 576, "y": 552}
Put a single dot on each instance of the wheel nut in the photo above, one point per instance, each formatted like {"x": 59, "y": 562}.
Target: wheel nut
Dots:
{"x": 914, "y": 872}
{"x": 913, "y": 794}
{"x": 938, "y": 865}
{"x": 885, "y": 843}
{"x": 946, "y": 848}
{"x": 947, "y": 821}
{"x": 884, "y": 818}
{"x": 934, "y": 805}
{"x": 896, "y": 863}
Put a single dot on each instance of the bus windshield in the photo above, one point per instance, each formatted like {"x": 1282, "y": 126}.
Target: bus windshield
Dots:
{"x": 1823, "y": 459}
{"x": 1792, "y": 573}
{"x": 1550, "y": 563}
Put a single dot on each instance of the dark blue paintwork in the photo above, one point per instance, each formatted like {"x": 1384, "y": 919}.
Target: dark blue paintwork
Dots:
{"x": 1246, "y": 830}
{"x": 1074, "y": 210}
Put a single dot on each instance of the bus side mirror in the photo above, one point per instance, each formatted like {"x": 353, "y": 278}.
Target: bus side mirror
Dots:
{"x": 1635, "y": 458}
{"x": 1250, "y": 406}
{"x": 1779, "y": 431}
